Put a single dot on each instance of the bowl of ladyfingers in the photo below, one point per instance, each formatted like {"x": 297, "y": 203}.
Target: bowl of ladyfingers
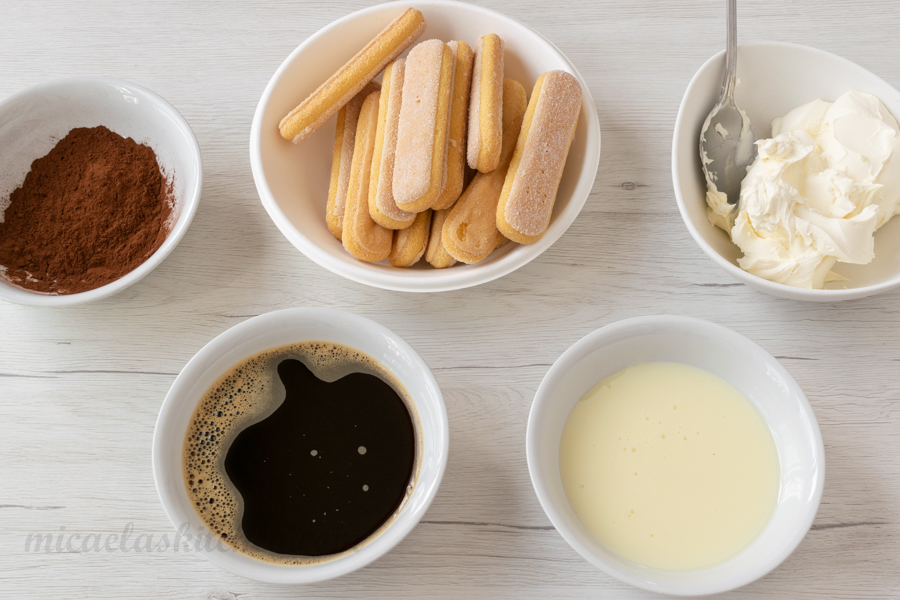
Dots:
{"x": 424, "y": 147}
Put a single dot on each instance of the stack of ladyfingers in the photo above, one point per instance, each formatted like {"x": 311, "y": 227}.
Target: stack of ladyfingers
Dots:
{"x": 446, "y": 159}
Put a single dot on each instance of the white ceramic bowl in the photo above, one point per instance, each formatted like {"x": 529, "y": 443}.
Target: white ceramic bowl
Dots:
{"x": 735, "y": 359}
{"x": 276, "y": 329}
{"x": 774, "y": 79}
{"x": 292, "y": 180}
{"x": 34, "y": 120}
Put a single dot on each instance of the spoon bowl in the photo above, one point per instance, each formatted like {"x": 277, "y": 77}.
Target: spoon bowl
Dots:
{"x": 727, "y": 148}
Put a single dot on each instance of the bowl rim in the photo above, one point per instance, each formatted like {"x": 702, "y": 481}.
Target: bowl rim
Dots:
{"x": 771, "y": 287}
{"x": 259, "y": 570}
{"x": 544, "y": 396}
{"x": 189, "y": 202}
{"x": 449, "y": 279}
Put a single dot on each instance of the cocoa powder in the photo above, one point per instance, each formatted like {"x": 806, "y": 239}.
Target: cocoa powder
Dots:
{"x": 88, "y": 213}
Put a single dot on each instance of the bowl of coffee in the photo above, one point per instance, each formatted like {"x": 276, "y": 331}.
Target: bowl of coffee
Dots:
{"x": 300, "y": 445}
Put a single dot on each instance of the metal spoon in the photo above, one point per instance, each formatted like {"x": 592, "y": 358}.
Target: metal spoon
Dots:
{"x": 727, "y": 141}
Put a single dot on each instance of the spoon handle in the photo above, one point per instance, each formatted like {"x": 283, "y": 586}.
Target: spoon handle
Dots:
{"x": 730, "y": 54}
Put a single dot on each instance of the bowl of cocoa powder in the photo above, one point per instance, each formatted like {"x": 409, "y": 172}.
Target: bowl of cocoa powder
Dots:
{"x": 99, "y": 180}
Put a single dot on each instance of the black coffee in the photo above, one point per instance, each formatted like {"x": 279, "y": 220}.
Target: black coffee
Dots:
{"x": 327, "y": 468}
{"x": 301, "y": 451}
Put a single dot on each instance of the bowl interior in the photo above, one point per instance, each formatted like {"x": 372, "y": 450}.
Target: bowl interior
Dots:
{"x": 724, "y": 353}
{"x": 293, "y": 179}
{"x": 269, "y": 331}
{"x": 34, "y": 120}
{"x": 774, "y": 79}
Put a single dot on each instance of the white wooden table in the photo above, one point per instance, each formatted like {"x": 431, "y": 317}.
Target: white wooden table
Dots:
{"x": 80, "y": 388}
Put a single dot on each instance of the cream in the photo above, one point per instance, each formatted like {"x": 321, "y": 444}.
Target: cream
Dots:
{"x": 817, "y": 191}
{"x": 669, "y": 466}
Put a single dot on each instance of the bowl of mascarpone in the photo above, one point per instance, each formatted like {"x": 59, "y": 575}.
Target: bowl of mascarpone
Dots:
{"x": 814, "y": 219}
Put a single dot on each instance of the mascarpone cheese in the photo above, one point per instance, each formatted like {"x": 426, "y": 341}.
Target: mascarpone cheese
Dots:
{"x": 817, "y": 191}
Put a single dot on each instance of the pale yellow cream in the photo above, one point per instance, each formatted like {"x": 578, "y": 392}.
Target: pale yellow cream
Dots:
{"x": 669, "y": 466}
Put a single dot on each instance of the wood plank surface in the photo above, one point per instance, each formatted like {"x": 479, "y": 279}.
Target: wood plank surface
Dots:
{"x": 80, "y": 387}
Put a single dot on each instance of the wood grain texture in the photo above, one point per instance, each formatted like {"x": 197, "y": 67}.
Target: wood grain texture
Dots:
{"x": 80, "y": 387}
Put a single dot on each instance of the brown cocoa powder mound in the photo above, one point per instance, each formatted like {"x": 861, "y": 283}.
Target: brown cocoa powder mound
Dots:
{"x": 88, "y": 213}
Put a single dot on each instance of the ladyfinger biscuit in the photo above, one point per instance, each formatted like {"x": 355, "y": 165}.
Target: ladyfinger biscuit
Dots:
{"x": 459, "y": 106}
{"x": 382, "y": 206}
{"x": 353, "y": 76}
{"x": 470, "y": 232}
{"x": 485, "y": 105}
{"x": 409, "y": 244}
{"x": 344, "y": 138}
{"x": 362, "y": 237}
{"x": 529, "y": 192}
{"x": 421, "y": 157}
{"x": 435, "y": 254}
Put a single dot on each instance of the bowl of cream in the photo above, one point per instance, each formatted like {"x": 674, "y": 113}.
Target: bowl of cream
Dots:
{"x": 814, "y": 220}
{"x": 675, "y": 455}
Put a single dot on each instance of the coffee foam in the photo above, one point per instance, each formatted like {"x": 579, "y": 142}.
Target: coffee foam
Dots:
{"x": 247, "y": 393}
